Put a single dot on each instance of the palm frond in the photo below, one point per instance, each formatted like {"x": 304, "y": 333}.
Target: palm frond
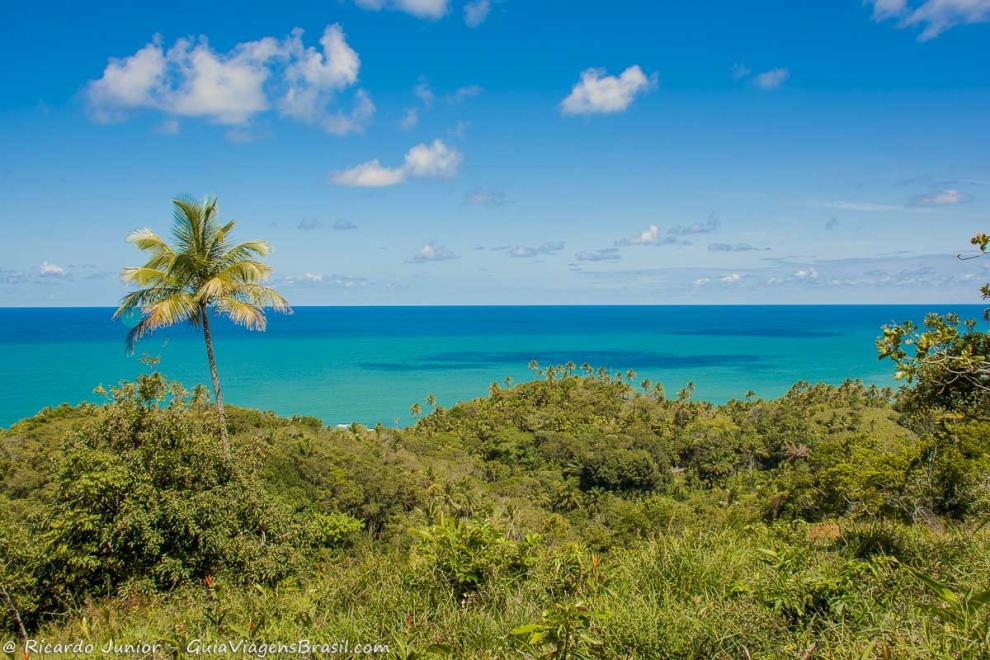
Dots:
{"x": 247, "y": 272}
{"x": 145, "y": 239}
{"x": 144, "y": 276}
{"x": 242, "y": 313}
{"x": 144, "y": 297}
{"x": 262, "y": 296}
{"x": 245, "y": 251}
{"x": 163, "y": 313}
{"x": 212, "y": 289}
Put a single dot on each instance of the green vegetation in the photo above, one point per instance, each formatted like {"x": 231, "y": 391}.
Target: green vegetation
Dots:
{"x": 580, "y": 515}
{"x": 572, "y": 516}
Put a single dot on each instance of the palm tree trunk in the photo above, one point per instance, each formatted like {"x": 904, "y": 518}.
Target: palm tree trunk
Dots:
{"x": 216, "y": 381}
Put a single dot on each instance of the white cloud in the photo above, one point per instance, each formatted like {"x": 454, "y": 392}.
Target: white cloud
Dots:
{"x": 459, "y": 129}
{"x": 314, "y": 76}
{"x": 734, "y": 247}
{"x": 653, "y": 235}
{"x": 486, "y": 198}
{"x": 463, "y": 93}
{"x": 601, "y": 254}
{"x": 870, "y": 207}
{"x": 227, "y": 88}
{"x": 740, "y": 71}
{"x": 551, "y": 247}
{"x": 191, "y": 79}
{"x": 806, "y": 274}
{"x": 883, "y": 9}
{"x": 948, "y": 197}
{"x": 369, "y": 175}
{"x": 433, "y": 160}
{"x": 433, "y": 251}
{"x": 648, "y": 236}
{"x": 128, "y": 83}
{"x": 475, "y": 12}
{"x": 731, "y": 278}
{"x": 355, "y": 121}
{"x": 706, "y": 227}
{"x": 47, "y": 269}
{"x": 410, "y": 119}
{"x": 423, "y": 92}
{"x": 332, "y": 280}
{"x": 933, "y": 16}
{"x": 597, "y": 93}
{"x": 429, "y": 9}
{"x": 772, "y": 79}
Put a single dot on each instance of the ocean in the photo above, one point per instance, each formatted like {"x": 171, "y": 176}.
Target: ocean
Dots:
{"x": 369, "y": 364}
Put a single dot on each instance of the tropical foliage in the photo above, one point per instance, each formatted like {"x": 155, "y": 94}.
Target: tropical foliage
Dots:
{"x": 571, "y": 516}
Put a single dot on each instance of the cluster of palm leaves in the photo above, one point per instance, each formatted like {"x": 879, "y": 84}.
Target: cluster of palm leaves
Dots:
{"x": 202, "y": 272}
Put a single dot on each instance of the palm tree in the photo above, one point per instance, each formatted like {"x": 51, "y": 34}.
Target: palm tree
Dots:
{"x": 203, "y": 271}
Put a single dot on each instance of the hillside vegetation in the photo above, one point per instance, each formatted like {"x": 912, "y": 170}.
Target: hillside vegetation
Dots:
{"x": 577, "y": 515}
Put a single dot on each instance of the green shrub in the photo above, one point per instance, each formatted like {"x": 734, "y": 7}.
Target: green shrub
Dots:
{"x": 466, "y": 555}
{"x": 335, "y": 530}
{"x": 144, "y": 493}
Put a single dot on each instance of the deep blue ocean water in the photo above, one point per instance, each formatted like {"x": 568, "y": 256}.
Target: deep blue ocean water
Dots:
{"x": 369, "y": 364}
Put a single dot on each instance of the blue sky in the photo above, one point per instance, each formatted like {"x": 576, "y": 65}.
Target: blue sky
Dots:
{"x": 509, "y": 151}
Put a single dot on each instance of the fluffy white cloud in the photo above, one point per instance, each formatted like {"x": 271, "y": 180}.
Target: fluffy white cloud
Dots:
{"x": 191, "y": 79}
{"x": 731, "y": 278}
{"x": 128, "y": 83}
{"x": 597, "y": 93}
{"x": 433, "y": 251}
{"x": 369, "y": 175}
{"x": 933, "y": 16}
{"x": 433, "y": 160}
{"x": 47, "y": 269}
{"x": 771, "y": 79}
{"x": 225, "y": 87}
{"x": 313, "y": 76}
{"x": 649, "y": 236}
{"x": 475, "y": 12}
{"x": 429, "y": 9}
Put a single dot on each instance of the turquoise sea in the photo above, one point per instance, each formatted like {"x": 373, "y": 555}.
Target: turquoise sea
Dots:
{"x": 369, "y": 364}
